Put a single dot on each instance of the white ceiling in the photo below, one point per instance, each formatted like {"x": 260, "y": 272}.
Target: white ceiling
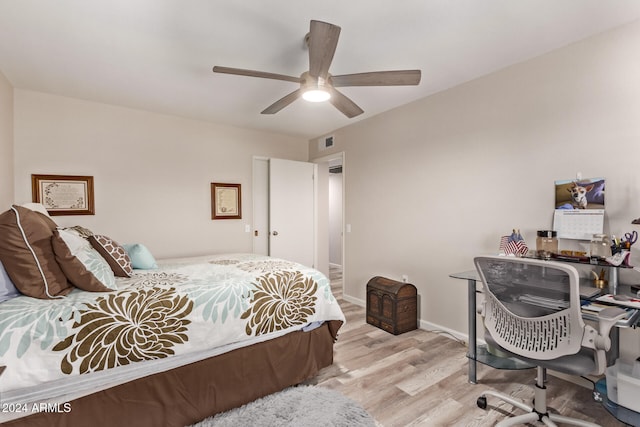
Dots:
{"x": 157, "y": 55}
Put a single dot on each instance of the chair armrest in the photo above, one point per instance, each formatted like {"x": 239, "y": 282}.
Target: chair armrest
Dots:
{"x": 612, "y": 313}
{"x": 606, "y": 319}
{"x": 599, "y": 340}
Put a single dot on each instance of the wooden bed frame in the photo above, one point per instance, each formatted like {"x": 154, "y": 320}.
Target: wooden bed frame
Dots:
{"x": 190, "y": 393}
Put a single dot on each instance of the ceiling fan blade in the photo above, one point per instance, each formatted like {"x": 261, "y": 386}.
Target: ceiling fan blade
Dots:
{"x": 252, "y": 73}
{"x": 378, "y": 78}
{"x": 282, "y": 102}
{"x": 344, "y": 104}
{"x": 323, "y": 39}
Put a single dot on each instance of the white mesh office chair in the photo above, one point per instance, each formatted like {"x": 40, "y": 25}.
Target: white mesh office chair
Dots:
{"x": 532, "y": 312}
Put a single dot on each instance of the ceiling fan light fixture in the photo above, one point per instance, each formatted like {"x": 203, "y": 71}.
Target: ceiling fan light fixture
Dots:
{"x": 315, "y": 90}
{"x": 316, "y": 95}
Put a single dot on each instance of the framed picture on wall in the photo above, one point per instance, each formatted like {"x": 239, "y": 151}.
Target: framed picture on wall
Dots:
{"x": 64, "y": 194}
{"x": 226, "y": 201}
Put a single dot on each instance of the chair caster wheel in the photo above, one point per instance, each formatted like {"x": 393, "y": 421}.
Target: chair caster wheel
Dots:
{"x": 482, "y": 402}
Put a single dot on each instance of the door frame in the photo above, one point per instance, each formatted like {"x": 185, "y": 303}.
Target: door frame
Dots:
{"x": 262, "y": 215}
{"x": 325, "y": 159}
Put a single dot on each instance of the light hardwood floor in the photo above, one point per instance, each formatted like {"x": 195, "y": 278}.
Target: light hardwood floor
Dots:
{"x": 419, "y": 378}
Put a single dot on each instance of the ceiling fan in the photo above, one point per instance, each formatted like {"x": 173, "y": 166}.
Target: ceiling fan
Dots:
{"x": 317, "y": 84}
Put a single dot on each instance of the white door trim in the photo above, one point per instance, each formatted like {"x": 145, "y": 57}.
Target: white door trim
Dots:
{"x": 260, "y": 212}
{"x": 340, "y": 155}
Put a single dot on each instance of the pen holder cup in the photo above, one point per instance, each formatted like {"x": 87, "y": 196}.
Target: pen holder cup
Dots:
{"x": 620, "y": 247}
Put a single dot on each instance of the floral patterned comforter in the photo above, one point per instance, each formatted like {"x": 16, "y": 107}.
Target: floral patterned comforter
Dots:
{"x": 179, "y": 308}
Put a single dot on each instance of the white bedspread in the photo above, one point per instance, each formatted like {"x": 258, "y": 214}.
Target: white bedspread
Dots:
{"x": 185, "y": 310}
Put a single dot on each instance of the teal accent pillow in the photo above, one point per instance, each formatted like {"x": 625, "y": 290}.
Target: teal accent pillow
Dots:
{"x": 141, "y": 258}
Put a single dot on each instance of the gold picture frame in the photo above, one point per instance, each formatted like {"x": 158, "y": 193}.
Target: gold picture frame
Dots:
{"x": 64, "y": 194}
{"x": 226, "y": 201}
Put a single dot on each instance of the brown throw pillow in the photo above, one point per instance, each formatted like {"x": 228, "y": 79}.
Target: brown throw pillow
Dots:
{"x": 115, "y": 255}
{"x": 29, "y": 259}
{"x": 73, "y": 268}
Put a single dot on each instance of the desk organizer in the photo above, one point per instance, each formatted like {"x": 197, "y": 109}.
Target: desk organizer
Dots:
{"x": 392, "y": 306}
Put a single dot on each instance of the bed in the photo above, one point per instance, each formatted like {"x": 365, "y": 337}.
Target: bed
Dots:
{"x": 168, "y": 345}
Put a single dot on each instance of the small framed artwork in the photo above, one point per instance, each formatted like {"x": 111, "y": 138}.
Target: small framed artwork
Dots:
{"x": 64, "y": 194}
{"x": 226, "y": 201}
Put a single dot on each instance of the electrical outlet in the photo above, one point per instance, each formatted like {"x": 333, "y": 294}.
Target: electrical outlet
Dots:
{"x": 405, "y": 278}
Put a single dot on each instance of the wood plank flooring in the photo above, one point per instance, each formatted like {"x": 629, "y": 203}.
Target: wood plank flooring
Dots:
{"x": 419, "y": 378}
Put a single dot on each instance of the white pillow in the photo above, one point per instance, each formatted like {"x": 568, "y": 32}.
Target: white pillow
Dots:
{"x": 38, "y": 207}
{"x": 89, "y": 257}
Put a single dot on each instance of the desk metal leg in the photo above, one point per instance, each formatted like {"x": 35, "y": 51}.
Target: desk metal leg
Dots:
{"x": 613, "y": 280}
{"x": 472, "y": 352}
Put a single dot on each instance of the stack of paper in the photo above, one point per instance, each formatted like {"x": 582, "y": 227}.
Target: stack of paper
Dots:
{"x": 622, "y": 300}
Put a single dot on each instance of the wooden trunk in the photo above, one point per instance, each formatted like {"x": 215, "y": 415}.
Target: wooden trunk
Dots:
{"x": 392, "y": 306}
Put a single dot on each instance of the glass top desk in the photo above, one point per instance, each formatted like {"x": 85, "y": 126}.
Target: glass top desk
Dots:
{"x": 479, "y": 353}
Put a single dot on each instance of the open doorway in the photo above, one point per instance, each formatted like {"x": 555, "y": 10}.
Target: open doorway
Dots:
{"x": 335, "y": 214}
{"x": 332, "y": 213}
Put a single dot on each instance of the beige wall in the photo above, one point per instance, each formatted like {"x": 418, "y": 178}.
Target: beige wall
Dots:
{"x": 431, "y": 184}
{"x": 6, "y": 142}
{"x": 428, "y": 185}
{"x": 152, "y": 172}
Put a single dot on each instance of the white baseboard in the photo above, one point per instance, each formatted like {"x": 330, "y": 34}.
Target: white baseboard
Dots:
{"x": 453, "y": 334}
{"x": 353, "y": 300}
{"x": 422, "y": 324}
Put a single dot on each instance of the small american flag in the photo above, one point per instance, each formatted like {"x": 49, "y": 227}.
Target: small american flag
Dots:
{"x": 513, "y": 245}
{"x": 517, "y": 247}
{"x": 503, "y": 244}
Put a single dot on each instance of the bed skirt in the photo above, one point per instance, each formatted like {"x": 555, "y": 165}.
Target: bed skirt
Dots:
{"x": 190, "y": 393}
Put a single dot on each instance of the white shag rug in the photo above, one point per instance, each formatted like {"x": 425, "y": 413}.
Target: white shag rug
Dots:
{"x": 301, "y": 406}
